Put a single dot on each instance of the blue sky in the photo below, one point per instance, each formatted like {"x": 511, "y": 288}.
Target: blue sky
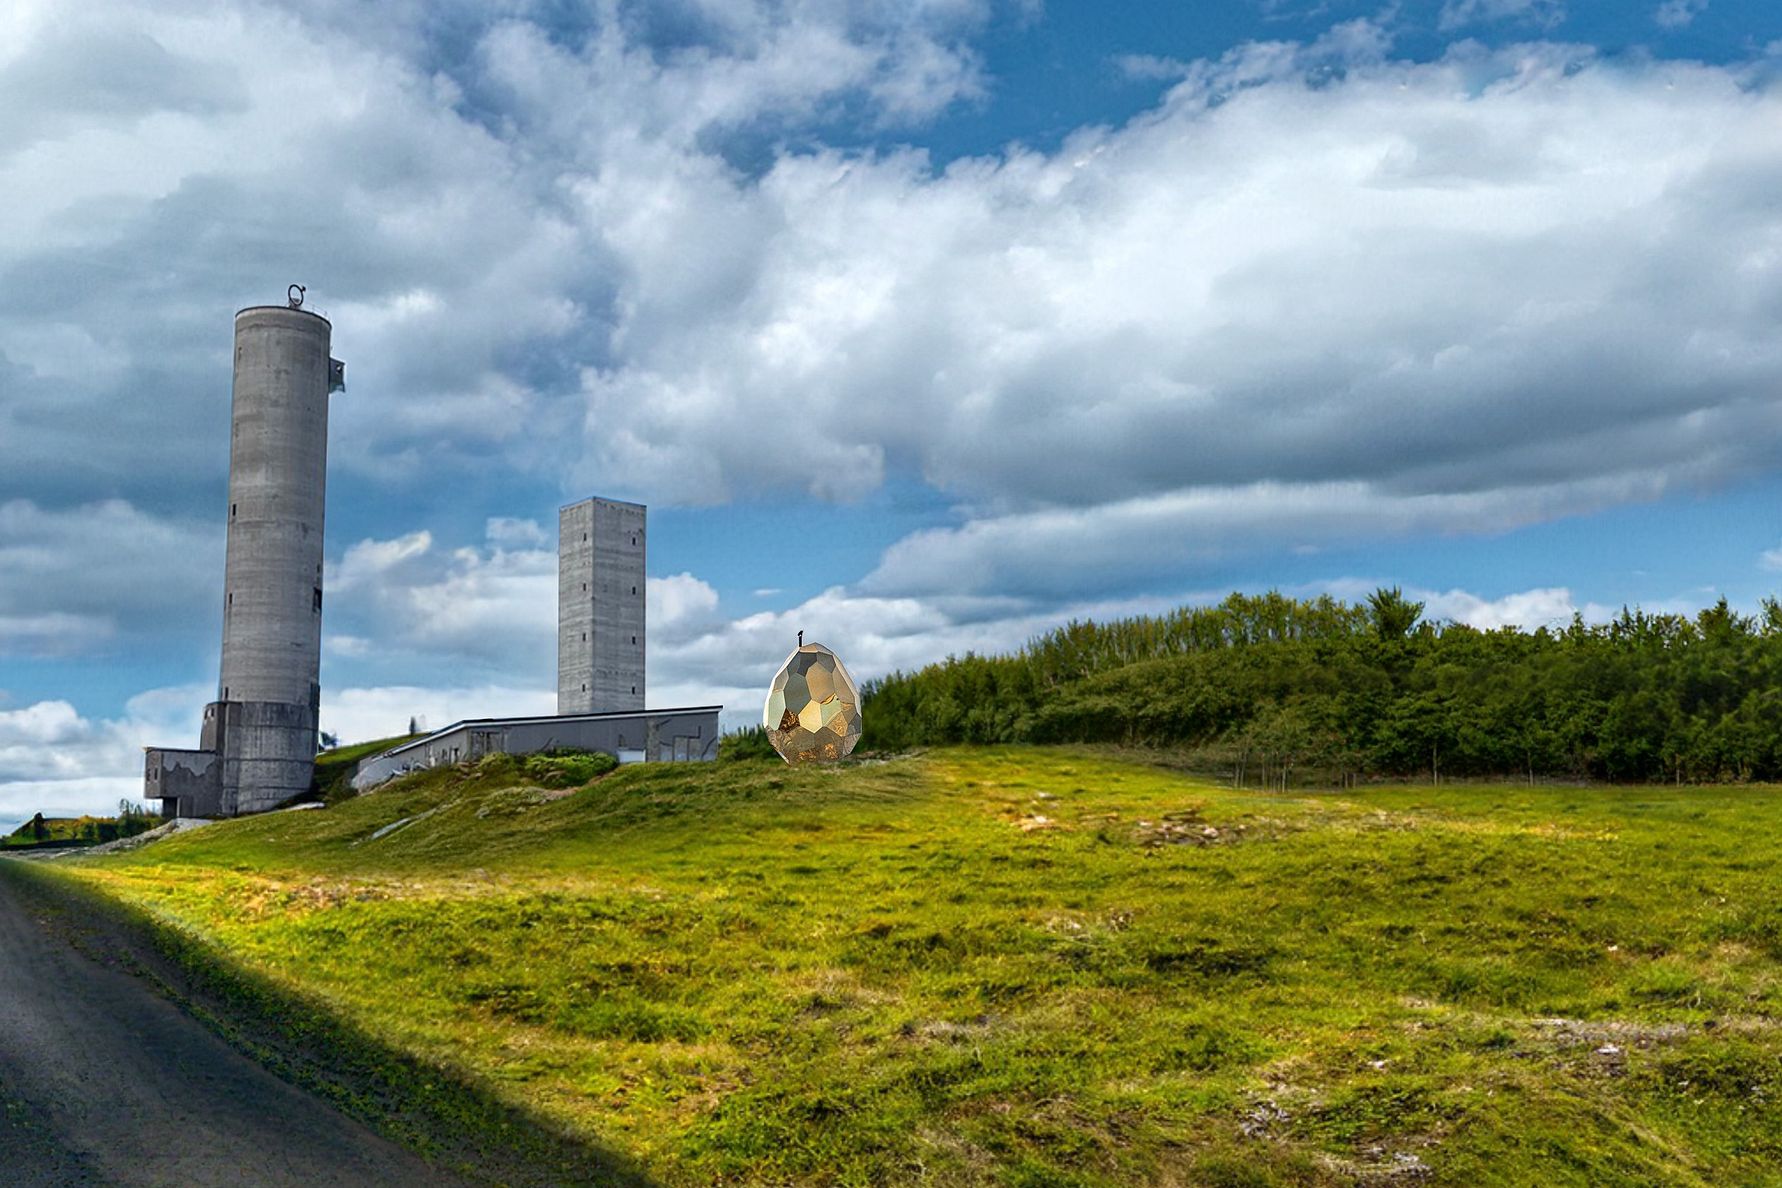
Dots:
{"x": 919, "y": 327}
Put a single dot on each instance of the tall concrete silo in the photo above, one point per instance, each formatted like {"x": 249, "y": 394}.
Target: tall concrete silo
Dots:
{"x": 259, "y": 740}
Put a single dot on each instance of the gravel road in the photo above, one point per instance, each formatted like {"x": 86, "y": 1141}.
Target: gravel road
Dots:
{"x": 104, "y": 1082}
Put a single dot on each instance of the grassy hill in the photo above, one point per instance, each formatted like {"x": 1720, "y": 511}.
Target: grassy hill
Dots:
{"x": 1030, "y": 967}
{"x": 334, "y": 768}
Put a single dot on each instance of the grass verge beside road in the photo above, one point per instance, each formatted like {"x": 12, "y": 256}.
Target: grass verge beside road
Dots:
{"x": 1023, "y": 967}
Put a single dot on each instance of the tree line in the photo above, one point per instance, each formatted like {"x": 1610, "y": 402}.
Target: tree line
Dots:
{"x": 1281, "y": 690}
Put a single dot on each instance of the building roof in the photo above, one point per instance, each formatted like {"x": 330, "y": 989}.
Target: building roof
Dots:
{"x": 533, "y": 718}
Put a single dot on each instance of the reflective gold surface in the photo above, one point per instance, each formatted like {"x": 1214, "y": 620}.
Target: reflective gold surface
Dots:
{"x": 813, "y": 707}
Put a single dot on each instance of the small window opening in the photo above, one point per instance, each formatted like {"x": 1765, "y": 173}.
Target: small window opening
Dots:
{"x": 318, "y": 599}
{"x": 231, "y": 511}
{"x": 634, "y": 589}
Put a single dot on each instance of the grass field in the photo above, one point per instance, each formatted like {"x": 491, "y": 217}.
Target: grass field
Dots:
{"x": 1039, "y": 967}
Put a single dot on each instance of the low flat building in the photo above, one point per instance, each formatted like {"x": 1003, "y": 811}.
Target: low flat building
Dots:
{"x": 630, "y": 736}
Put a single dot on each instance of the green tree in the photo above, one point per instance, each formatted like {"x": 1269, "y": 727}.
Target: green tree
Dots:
{"x": 1392, "y": 614}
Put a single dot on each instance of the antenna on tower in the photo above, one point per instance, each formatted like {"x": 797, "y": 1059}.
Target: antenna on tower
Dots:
{"x": 294, "y": 296}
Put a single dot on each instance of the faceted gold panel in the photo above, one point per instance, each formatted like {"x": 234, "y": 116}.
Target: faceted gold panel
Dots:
{"x": 813, "y": 707}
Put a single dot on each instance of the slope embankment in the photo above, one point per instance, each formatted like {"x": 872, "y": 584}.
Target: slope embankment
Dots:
{"x": 1012, "y": 966}
{"x": 106, "y": 1081}
{"x": 136, "y": 1052}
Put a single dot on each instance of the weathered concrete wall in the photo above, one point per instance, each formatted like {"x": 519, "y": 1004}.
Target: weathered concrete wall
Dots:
{"x": 278, "y": 460}
{"x": 672, "y": 735}
{"x": 187, "y": 783}
{"x": 261, "y": 730}
{"x": 600, "y": 607}
{"x": 269, "y": 690}
{"x": 268, "y": 752}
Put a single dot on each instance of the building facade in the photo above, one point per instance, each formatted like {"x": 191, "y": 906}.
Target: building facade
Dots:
{"x": 656, "y": 736}
{"x": 600, "y": 607}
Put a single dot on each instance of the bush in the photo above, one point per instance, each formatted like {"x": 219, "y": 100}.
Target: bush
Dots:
{"x": 746, "y": 744}
{"x": 566, "y": 769}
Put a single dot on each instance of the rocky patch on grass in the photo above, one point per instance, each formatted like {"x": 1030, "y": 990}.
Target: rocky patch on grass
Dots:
{"x": 1183, "y": 829}
{"x": 178, "y": 825}
{"x": 948, "y": 1030}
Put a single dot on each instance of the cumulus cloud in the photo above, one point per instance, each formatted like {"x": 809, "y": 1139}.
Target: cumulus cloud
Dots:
{"x": 1678, "y": 14}
{"x": 1474, "y": 293}
{"x": 56, "y": 761}
{"x": 1527, "y": 610}
{"x": 166, "y": 164}
{"x": 1551, "y": 607}
{"x": 1502, "y": 286}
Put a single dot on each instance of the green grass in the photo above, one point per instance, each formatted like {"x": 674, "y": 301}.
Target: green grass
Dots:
{"x": 334, "y": 768}
{"x": 1039, "y": 967}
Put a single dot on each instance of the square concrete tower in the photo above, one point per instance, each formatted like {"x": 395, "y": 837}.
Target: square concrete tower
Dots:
{"x": 600, "y": 607}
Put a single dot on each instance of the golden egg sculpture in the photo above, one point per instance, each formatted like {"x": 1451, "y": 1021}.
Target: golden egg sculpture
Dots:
{"x": 813, "y": 707}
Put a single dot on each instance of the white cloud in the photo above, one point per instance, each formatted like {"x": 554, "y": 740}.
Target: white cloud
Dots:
{"x": 1528, "y": 609}
{"x": 1497, "y": 287}
{"x": 369, "y": 560}
{"x": 511, "y": 533}
{"x": 362, "y": 714}
{"x": 55, "y": 761}
{"x": 1493, "y": 289}
{"x": 1061, "y": 551}
{"x": 1678, "y": 14}
{"x": 677, "y": 605}
{"x": 1543, "y": 13}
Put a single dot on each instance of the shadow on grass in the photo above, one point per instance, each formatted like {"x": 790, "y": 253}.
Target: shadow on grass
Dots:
{"x": 435, "y": 1112}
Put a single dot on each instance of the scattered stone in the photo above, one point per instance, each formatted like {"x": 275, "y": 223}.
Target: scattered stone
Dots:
{"x": 177, "y": 825}
{"x": 1178, "y": 829}
{"x": 1261, "y": 1120}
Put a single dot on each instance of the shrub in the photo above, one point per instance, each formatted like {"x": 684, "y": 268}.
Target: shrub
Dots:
{"x": 567, "y": 769}
{"x": 746, "y": 744}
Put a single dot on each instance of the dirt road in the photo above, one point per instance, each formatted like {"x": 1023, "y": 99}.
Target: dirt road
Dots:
{"x": 104, "y": 1082}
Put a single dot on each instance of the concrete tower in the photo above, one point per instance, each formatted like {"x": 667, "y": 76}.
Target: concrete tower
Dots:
{"x": 600, "y": 607}
{"x": 259, "y": 740}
